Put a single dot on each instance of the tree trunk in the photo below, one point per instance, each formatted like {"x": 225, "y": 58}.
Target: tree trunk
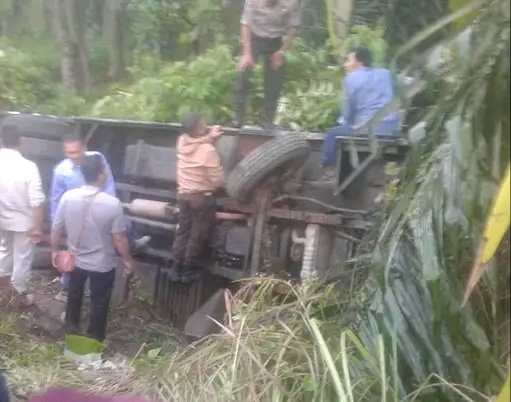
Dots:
{"x": 342, "y": 16}
{"x": 67, "y": 48}
{"x": 112, "y": 29}
{"x": 49, "y": 18}
{"x": 12, "y": 21}
{"x": 76, "y": 31}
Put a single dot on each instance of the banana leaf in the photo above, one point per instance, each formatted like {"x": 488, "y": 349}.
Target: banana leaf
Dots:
{"x": 496, "y": 227}
{"x": 505, "y": 394}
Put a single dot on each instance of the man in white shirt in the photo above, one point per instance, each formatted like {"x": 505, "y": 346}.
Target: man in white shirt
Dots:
{"x": 21, "y": 214}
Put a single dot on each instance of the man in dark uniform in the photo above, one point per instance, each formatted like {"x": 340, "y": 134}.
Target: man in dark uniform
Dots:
{"x": 268, "y": 28}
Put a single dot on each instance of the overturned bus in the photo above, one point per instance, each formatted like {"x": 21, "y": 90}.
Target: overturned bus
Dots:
{"x": 273, "y": 217}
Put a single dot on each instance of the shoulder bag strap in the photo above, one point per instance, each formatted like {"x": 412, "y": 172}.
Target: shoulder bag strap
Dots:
{"x": 84, "y": 216}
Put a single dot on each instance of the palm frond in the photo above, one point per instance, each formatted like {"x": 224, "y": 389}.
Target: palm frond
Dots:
{"x": 429, "y": 240}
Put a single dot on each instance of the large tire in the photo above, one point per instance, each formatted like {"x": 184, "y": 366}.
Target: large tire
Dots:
{"x": 284, "y": 150}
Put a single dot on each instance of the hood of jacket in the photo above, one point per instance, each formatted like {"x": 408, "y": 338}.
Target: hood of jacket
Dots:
{"x": 188, "y": 145}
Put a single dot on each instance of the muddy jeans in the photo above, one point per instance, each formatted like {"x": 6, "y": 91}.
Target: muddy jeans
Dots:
{"x": 273, "y": 80}
{"x": 196, "y": 223}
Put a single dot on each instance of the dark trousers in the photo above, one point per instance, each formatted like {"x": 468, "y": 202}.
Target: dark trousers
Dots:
{"x": 101, "y": 286}
{"x": 196, "y": 223}
{"x": 4, "y": 391}
{"x": 382, "y": 129}
{"x": 329, "y": 148}
{"x": 273, "y": 80}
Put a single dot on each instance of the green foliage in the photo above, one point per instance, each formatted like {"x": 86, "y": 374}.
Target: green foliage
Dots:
{"x": 310, "y": 93}
{"x": 404, "y": 18}
{"x": 164, "y": 27}
{"x": 163, "y": 92}
{"x": 166, "y": 30}
{"x": 98, "y": 56}
{"x": 373, "y": 39}
{"x": 427, "y": 240}
{"x": 28, "y": 83}
{"x": 156, "y": 24}
{"x": 15, "y": 91}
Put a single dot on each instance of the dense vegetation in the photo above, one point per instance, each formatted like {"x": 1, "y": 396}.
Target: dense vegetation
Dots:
{"x": 154, "y": 59}
{"x": 156, "y": 90}
{"x": 395, "y": 330}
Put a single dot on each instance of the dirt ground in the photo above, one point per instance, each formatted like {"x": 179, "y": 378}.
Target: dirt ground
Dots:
{"x": 131, "y": 324}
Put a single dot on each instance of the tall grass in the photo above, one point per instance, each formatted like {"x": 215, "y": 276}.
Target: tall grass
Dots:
{"x": 301, "y": 348}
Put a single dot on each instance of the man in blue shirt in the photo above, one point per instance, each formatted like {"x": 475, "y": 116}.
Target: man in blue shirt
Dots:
{"x": 67, "y": 176}
{"x": 366, "y": 91}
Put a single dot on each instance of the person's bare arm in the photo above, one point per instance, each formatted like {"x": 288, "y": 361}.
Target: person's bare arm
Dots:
{"x": 122, "y": 246}
{"x": 246, "y": 40}
{"x": 120, "y": 240}
{"x": 55, "y": 238}
{"x": 245, "y": 35}
{"x": 57, "y": 230}
{"x": 38, "y": 217}
{"x": 287, "y": 42}
{"x": 36, "y": 197}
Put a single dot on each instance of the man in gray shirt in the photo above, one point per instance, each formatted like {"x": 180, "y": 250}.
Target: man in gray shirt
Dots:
{"x": 268, "y": 28}
{"x": 95, "y": 227}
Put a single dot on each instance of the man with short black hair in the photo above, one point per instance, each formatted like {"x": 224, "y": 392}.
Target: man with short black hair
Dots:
{"x": 268, "y": 28}
{"x": 21, "y": 215}
{"x": 367, "y": 90}
{"x": 67, "y": 176}
{"x": 95, "y": 227}
{"x": 199, "y": 175}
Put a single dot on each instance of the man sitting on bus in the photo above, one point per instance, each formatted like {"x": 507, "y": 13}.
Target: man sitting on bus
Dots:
{"x": 366, "y": 91}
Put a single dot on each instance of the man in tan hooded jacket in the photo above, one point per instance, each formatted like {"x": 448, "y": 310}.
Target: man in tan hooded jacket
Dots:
{"x": 199, "y": 175}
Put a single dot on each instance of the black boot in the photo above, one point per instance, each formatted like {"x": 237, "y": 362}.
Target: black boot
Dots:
{"x": 190, "y": 274}
{"x": 176, "y": 271}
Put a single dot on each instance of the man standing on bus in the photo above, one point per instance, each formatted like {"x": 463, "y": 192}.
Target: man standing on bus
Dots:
{"x": 268, "y": 28}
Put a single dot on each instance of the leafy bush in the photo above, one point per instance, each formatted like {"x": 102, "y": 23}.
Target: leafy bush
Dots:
{"x": 205, "y": 84}
{"x": 163, "y": 92}
{"x": 364, "y": 36}
{"x": 28, "y": 83}
{"x": 15, "y": 90}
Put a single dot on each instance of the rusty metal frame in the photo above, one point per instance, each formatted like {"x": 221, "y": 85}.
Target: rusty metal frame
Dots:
{"x": 262, "y": 202}
{"x": 358, "y": 166}
{"x": 288, "y": 214}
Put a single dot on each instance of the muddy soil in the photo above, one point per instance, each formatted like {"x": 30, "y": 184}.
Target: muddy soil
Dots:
{"x": 132, "y": 324}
